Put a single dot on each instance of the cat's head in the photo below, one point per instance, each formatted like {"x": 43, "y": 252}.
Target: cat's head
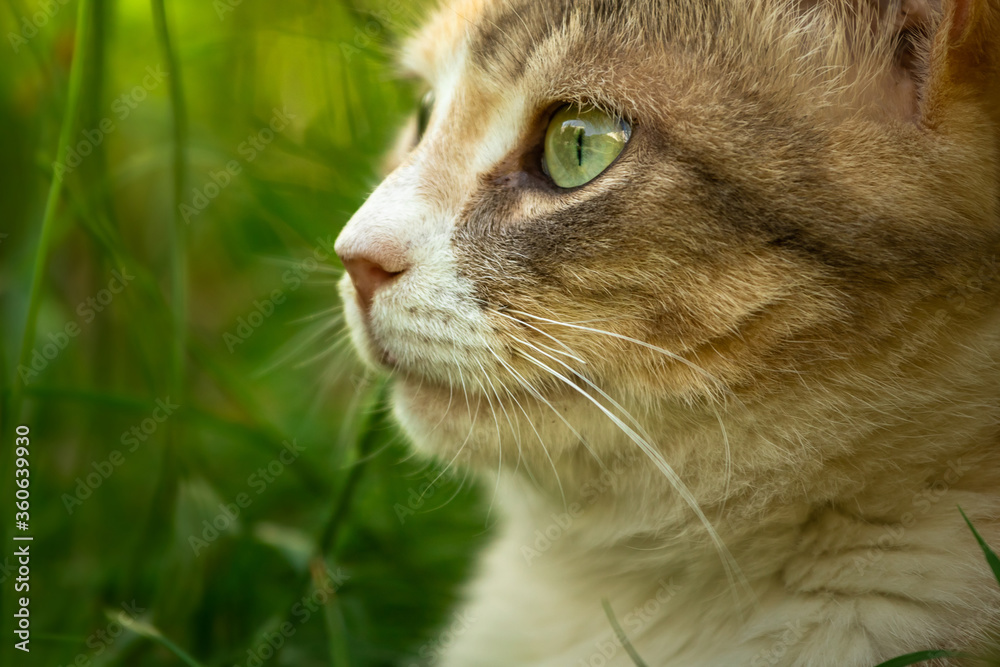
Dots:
{"x": 608, "y": 214}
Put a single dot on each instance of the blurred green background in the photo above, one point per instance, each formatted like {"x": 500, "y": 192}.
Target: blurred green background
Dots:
{"x": 171, "y": 180}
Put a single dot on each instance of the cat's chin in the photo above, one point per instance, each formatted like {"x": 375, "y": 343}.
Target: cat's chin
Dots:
{"x": 421, "y": 398}
{"x": 478, "y": 431}
{"x": 439, "y": 420}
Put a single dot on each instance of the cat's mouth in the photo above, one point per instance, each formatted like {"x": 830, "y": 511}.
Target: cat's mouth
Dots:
{"x": 411, "y": 358}
{"x": 379, "y": 354}
{"x": 444, "y": 369}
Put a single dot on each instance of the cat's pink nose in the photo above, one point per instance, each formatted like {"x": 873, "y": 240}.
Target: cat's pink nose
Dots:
{"x": 372, "y": 267}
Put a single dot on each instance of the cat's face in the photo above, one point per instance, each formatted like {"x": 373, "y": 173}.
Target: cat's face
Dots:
{"x": 770, "y": 210}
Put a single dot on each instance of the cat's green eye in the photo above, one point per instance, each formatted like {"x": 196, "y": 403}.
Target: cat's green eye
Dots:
{"x": 581, "y": 143}
{"x": 424, "y": 113}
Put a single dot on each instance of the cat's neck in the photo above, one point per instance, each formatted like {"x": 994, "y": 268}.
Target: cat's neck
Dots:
{"x": 855, "y": 450}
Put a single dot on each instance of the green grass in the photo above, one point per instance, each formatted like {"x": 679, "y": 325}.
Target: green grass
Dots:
{"x": 320, "y": 550}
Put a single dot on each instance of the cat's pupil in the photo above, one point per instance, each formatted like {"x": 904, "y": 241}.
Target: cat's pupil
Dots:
{"x": 579, "y": 146}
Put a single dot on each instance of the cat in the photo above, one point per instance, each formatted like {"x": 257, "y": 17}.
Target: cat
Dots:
{"x": 706, "y": 292}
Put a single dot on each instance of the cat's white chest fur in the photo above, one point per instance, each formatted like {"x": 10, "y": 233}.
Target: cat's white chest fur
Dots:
{"x": 538, "y": 600}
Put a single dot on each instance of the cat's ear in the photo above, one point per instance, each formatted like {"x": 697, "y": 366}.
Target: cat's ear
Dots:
{"x": 962, "y": 90}
{"x": 946, "y": 53}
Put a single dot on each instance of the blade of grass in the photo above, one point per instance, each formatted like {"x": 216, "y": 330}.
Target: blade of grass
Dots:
{"x": 178, "y": 261}
{"x": 178, "y": 254}
{"x": 921, "y": 656}
{"x": 924, "y": 656}
{"x": 374, "y": 421}
{"x": 336, "y": 629}
{"x": 42, "y": 252}
{"x": 991, "y": 556}
{"x": 12, "y": 406}
{"x": 622, "y": 637}
{"x": 160, "y": 522}
{"x": 368, "y": 434}
{"x": 146, "y": 630}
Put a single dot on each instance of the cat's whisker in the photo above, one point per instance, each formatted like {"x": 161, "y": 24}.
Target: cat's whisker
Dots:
{"x": 671, "y": 355}
{"x": 527, "y": 385}
{"x": 465, "y": 390}
{"x": 733, "y": 572}
{"x": 516, "y": 432}
{"x": 493, "y": 411}
{"x": 341, "y": 342}
{"x": 278, "y": 261}
{"x": 590, "y": 383}
{"x": 337, "y": 311}
{"x": 461, "y": 447}
{"x": 461, "y": 485}
{"x": 447, "y": 410}
{"x": 537, "y": 394}
{"x": 635, "y": 422}
{"x": 592, "y": 321}
{"x": 299, "y": 343}
{"x": 332, "y": 281}
{"x": 298, "y": 264}
{"x": 472, "y": 426}
{"x": 713, "y": 399}
{"x": 569, "y": 352}
{"x": 328, "y": 380}
{"x": 329, "y": 270}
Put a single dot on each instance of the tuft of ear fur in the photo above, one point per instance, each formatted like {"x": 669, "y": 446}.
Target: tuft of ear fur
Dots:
{"x": 965, "y": 68}
{"x": 946, "y": 60}
{"x": 961, "y": 100}
{"x": 911, "y": 25}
